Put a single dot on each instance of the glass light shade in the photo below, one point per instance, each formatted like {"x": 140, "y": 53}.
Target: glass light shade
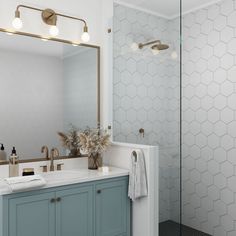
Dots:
{"x": 54, "y": 31}
{"x": 174, "y": 55}
{"x": 85, "y": 37}
{"x": 155, "y": 52}
{"x": 134, "y": 47}
{"x": 17, "y": 23}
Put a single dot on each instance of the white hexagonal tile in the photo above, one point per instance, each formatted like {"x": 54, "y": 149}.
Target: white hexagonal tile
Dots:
{"x": 227, "y": 61}
{"x": 227, "y": 223}
{"x": 231, "y": 101}
{"x": 232, "y": 74}
{"x": 232, "y": 129}
{"x": 131, "y": 115}
{"x": 231, "y": 156}
{"x": 213, "y": 167}
{"x": 220, "y": 181}
{"x": 227, "y": 142}
{"x": 220, "y": 22}
{"x": 131, "y": 65}
{"x": 220, "y": 75}
{"x": 152, "y": 68}
{"x": 213, "y": 115}
{"x": 213, "y": 12}
{"x": 213, "y": 38}
{"x": 141, "y": 91}
{"x": 213, "y": 141}
{"x": 220, "y": 128}
{"x": 220, "y": 155}
{"x": 142, "y": 66}
{"x": 213, "y": 191}
{"x": 207, "y": 52}
{"x": 227, "y": 34}
{"x": 227, "y": 115}
{"x": 232, "y": 19}
{"x": 220, "y": 49}
{"x": 213, "y": 63}
{"x": 231, "y": 46}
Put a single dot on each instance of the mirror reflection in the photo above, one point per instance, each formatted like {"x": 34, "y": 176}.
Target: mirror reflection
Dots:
{"x": 46, "y": 87}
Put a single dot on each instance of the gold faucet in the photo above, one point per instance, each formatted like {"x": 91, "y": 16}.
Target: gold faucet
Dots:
{"x": 44, "y": 149}
{"x": 54, "y": 153}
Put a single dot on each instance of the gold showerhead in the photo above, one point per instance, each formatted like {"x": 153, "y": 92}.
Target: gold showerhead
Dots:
{"x": 156, "y": 45}
{"x": 160, "y": 47}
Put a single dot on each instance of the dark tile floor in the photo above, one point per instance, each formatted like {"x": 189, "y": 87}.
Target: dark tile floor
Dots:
{"x": 170, "y": 228}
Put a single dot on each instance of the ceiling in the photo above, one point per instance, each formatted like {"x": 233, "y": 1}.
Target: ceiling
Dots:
{"x": 167, "y": 8}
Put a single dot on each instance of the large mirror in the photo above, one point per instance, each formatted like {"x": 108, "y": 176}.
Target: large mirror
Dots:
{"x": 45, "y": 87}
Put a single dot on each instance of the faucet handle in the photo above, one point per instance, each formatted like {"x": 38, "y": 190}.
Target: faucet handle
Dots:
{"x": 54, "y": 152}
{"x": 44, "y": 149}
{"x": 45, "y": 168}
{"x": 59, "y": 165}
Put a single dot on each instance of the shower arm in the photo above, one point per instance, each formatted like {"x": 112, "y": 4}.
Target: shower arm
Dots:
{"x": 142, "y": 45}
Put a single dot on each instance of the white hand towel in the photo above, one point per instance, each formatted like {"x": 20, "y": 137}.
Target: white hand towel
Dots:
{"x": 21, "y": 183}
{"x": 138, "y": 177}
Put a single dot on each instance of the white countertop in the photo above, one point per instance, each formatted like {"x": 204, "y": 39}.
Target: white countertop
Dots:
{"x": 67, "y": 177}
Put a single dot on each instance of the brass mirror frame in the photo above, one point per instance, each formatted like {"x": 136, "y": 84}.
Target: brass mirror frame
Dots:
{"x": 98, "y": 82}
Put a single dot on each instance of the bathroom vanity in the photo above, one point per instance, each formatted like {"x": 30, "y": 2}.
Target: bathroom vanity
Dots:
{"x": 73, "y": 203}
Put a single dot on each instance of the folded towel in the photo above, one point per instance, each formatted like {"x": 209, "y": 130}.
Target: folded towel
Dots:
{"x": 17, "y": 184}
{"x": 138, "y": 177}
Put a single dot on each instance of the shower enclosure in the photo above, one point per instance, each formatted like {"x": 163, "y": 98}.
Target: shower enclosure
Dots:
{"x": 188, "y": 111}
{"x": 146, "y": 95}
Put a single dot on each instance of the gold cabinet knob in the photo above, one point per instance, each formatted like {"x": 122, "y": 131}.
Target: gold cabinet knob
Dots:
{"x": 59, "y": 166}
{"x": 45, "y": 168}
{"x": 53, "y": 200}
{"x": 58, "y": 199}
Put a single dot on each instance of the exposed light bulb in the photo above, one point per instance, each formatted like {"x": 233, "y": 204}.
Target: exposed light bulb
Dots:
{"x": 174, "y": 55}
{"x": 134, "y": 47}
{"x": 17, "y": 23}
{"x": 155, "y": 52}
{"x": 85, "y": 37}
{"x": 53, "y": 30}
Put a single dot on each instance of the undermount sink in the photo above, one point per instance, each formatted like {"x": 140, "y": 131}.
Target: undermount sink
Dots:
{"x": 65, "y": 175}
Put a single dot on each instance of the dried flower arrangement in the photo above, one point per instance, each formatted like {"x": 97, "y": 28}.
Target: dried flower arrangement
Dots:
{"x": 71, "y": 140}
{"x": 93, "y": 141}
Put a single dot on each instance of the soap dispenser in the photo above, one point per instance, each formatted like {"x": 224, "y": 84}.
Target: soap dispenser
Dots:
{"x": 3, "y": 154}
{"x": 13, "y": 164}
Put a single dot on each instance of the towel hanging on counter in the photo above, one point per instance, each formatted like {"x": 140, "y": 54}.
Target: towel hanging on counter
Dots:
{"x": 138, "y": 177}
{"x": 21, "y": 183}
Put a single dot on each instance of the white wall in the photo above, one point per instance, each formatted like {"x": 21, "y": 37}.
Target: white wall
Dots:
{"x": 146, "y": 95}
{"x": 209, "y": 126}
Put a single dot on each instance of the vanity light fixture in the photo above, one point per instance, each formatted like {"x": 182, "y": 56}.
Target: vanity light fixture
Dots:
{"x": 49, "y": 17}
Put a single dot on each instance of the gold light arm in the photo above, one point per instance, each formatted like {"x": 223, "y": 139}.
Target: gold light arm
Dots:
{"x": 50, "y": 14}
{"x": 141, "y": 45}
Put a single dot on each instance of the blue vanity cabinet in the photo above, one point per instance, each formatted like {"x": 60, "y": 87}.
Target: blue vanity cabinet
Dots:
{"x": 96, "y": 208}
{"x": 112, "y": 209}
{"x": 74, "y": 212}
{"x": 32, "y": 215}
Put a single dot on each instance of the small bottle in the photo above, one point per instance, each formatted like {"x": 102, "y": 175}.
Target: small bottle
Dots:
{"x": 3, "y": 154}
{"x": 13, "y": 164}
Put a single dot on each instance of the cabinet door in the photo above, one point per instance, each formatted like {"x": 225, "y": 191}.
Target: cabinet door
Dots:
{"x": 32, "y": 215}
{"x": 111, "y": 208}
{"x": 74, "y": 212}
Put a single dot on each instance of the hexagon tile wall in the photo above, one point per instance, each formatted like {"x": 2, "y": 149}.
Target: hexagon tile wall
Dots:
{"x": 209, "y": 119}
{"x": 146, "y": 95}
